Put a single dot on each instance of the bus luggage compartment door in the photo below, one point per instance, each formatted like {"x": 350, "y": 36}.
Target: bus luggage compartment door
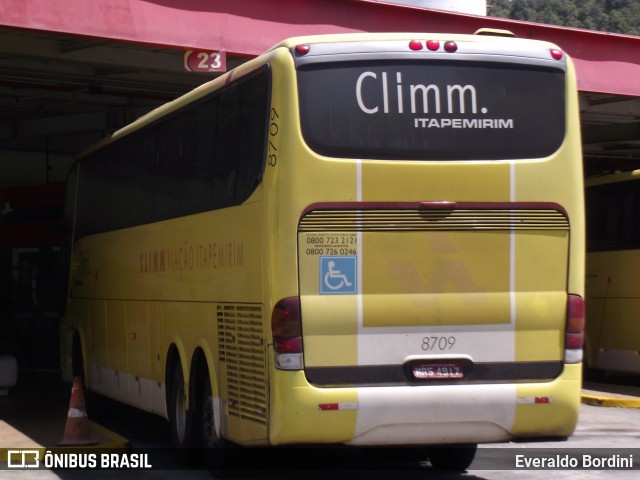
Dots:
{"x": 486, "y": 287}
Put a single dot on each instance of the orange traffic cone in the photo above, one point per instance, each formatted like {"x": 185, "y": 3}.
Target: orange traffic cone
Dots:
{"x": 76, "y": 432}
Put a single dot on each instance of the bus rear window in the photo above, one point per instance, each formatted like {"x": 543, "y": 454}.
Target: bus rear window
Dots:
{"x": 408, "y": 110}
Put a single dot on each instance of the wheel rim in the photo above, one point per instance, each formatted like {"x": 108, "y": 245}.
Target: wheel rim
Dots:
{"x": 181, "y": 413}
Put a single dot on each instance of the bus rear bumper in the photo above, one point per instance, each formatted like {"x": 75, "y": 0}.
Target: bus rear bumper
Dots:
{"x": 423, "y": 415}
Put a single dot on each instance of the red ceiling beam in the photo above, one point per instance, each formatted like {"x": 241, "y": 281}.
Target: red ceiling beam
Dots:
{"x": 605, "y": 62}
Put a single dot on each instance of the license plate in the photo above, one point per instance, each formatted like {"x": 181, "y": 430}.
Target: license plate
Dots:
{"x": 437, "y": 371}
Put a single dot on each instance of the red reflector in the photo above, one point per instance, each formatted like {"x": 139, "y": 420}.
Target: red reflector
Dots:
{"x": 329, "y": 406}
{"x": 433, "y": 45}
{"x": 556, "y": 54}
{"x": 450, "y": 46}
{"x": 302, "y": 50}
{"x": 415, "y": 45}
{"x": 539, "y": 400}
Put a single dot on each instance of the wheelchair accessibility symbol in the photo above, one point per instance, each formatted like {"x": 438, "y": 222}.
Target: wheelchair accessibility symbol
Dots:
{"x": 338, "y": 275}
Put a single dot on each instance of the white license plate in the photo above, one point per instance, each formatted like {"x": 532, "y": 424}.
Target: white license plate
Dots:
{"x": 435, "y": 371}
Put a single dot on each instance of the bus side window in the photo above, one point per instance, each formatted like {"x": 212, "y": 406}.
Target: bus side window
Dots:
{"x": 227, "y": 144}
{"x": 241, "y": 138}
{"x": 143, "y": 178}
{"x": 168, "y": 186}
{"x": 252, "y": 132}
{"x": 199, "y": 154}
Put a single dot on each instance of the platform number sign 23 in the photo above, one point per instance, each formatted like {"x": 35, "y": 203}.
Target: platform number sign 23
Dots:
{"x": 205, "y": 61}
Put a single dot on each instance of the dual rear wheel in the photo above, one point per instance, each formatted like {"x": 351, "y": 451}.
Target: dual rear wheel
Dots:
{"x": 193, "y": 429}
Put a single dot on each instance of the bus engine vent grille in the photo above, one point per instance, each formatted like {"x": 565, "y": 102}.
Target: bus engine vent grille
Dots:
{"x": 432, "y": 220}
{"x": 242, "y": 356}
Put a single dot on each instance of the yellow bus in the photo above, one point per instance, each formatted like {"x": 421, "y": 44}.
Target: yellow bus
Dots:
{"x": 364, "y": 240}
{"x": 613, "y": 250}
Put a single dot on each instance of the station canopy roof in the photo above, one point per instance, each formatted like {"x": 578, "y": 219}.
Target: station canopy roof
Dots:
{"x": 71, "y": 71}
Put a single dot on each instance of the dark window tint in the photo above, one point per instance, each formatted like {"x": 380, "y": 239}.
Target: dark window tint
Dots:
{"x": 613, "y": 216}
{"x": 207, "y": 156}
{"x": 432, "y": 110}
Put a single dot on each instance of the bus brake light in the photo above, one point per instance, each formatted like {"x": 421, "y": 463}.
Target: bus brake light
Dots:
{"x": 286, "y": 327}
{"x": 415, "y": 45}
{"x": 574, "y": 332}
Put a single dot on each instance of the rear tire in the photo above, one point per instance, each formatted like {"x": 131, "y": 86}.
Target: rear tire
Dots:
{"x": 214, "y": 445}
{"x": 454, "y": 457}
{"x": 180, "y": 416}
{"x": 210, "y": 438}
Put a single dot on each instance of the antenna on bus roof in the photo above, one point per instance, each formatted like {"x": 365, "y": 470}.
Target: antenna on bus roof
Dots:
{"x": 494, "y": 32}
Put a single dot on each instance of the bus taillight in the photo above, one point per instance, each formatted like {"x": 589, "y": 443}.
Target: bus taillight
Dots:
{"x": 450, "y": 46}
{"x": 574, "y": 332}
{"x": 433, "y": 45}
{"x": 302, "y": 50}
{"x": 286, "y": 327}
{"x": 556, "y": 54}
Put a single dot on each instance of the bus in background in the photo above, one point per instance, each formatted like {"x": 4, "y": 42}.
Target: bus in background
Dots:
{"x": 612, "y": 337}
{"x": 365, "y": 240}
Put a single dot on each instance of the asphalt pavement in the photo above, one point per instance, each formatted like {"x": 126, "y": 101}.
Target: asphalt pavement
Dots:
{"x": 35, "y": 415}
